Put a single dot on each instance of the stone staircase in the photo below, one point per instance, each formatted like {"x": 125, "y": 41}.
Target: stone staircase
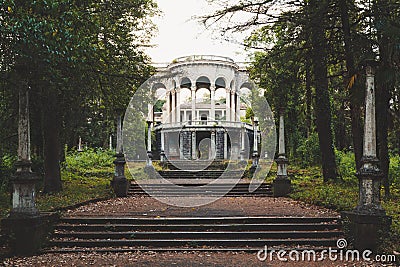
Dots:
{"x": 228, "y": 190}
{"x": 110, "y": 234}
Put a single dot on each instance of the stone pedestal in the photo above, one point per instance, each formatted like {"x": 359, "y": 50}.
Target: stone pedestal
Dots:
{"x": 365, "y": 231}
{"x": 26, "y": 235}
{"x": 281, "y": 186}
{"x": 368, "y": 222}
{"x": 119, "y": 183}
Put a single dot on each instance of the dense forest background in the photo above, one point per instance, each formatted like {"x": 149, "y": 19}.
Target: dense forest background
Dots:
{"x": 82, "y": 60}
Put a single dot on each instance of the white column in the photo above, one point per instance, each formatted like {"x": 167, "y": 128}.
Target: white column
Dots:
{"x": 233, "y": 106}
{"x": 370, "y": 125}
{"x": 167, "y": 118}
{"x": 178, "y": 104}
{"x": 212, "y": 93}
{"x": 110, "y": 143}
{"x": 119, "y": 148}
{"x": 242, "y": 142}
{"x": 281, "y": 135}
{"x": 184, "y": 115}
{"x": 173, "y": 110}
{"x": 149, "y": 135}
{"x": 282, "y": 163}
{"x": 228, "y": 104}
{"x": 237, "y": 105}
{"x": 162, "y": 154}
{"x": 193, "y": 102}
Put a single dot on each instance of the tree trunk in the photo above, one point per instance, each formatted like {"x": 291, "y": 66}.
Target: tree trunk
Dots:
{"x": 308, "y": 98}
{"x": 355, "y": 94}
{"x": 51, "y": 135}
{"x": 319, "y": 10}
{"x": 385, "y": 83}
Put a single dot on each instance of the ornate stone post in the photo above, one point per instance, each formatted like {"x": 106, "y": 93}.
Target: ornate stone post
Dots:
{"x": 255, "y": 144}
{"x": 281, "y": 184}
{"x": 162, "y": 152}
{"x": 242, "y": 145}
{"x": 25, "y": 227}
{"x": 212, "y": 95}
{"x": 23, "y": 197}
{"x": 213, "y": 150}
{"x": 368, "y": 222}
{"x": 168, "y": 113}
{"x": 119, "y": 183}
{"x": 225, "y": 145}
{"x": 149, "y": 152}
{"x": 80, "y": 144}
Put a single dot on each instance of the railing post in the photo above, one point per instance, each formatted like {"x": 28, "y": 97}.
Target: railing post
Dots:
{"x": 119, "y": 183}
{"x": 368, "y": 221}
{"x": 281, "y": 184}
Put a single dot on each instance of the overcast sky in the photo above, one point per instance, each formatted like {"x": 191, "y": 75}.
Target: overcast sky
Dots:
{"x": 179, "y": 35}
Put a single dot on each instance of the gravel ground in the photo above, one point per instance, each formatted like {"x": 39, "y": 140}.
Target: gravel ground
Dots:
{"x": 148, "y": 207}
{"x": 222, "y": 259}
{"x": 227, "y": 206}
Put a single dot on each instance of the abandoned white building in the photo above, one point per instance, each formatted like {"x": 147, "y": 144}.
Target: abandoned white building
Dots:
{"x": 203, "y": 113}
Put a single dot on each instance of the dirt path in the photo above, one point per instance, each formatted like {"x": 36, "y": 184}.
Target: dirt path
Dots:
{"x": 226, "y": 206}
{"x": 148, "y": 207}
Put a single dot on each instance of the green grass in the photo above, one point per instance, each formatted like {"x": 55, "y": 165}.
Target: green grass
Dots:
{"x": 308, "y": 187}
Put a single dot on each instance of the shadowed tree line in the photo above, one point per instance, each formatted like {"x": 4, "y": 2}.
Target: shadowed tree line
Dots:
{"x": 309, "y": 56}
{"x": 80, "y": 61}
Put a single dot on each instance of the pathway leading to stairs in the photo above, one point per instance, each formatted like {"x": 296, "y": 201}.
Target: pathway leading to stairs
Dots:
{"x": 142, "y": 206}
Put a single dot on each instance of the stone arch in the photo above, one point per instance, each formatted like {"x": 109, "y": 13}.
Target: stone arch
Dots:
{"x": 203, "y": 82}
{"x": 220, "y": 83}
{"x": 186, "y": 83}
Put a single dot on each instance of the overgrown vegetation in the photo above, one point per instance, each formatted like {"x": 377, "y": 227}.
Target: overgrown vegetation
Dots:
{"x": 343, "y": 195}
{"x": 85, "y": 176}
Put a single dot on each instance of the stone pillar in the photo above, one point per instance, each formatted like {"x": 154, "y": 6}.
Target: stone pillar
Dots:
{"x": 23, "y": 197}
{"x": 119, "y": 183}
{"x": 178, "y": 105}
{"x": 110, "y": 145}
{"x": 80, "y": 144}
{"x": 149, "y": 152}
{"x": 193, "y": 102}
{"x": 194, "y": 150}
{"x": 233, "y": 106}
{"x": 281, "y": 184}
{"x": 173, "y": 108}
{"x": 25, "y": 228}
{"x": 212, "y": 95}
{"x": 255, "y": 143}
{"x": 242, "y": 144}
{"x": 228, "y": 104}
{"x": 162, "y": 152}
{"x": 368, "y": 221}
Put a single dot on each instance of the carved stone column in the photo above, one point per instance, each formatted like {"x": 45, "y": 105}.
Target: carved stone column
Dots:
{"x": 368, "y": 221}
{"x": 255, "y": 143}
{"x": 233, "y": 106}
{"x": 281, "y": 184}
{"x": 194, "y": 149}
{"x": 119, "y": 183}
{"x": 25, "y": 228}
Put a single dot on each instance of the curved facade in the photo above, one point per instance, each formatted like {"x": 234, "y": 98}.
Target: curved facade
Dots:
{"x": 200, "y": 118}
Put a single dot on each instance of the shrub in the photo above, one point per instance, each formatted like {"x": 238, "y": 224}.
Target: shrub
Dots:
{"x": 309, "y": 151}
{"x": 346, "y": 165}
